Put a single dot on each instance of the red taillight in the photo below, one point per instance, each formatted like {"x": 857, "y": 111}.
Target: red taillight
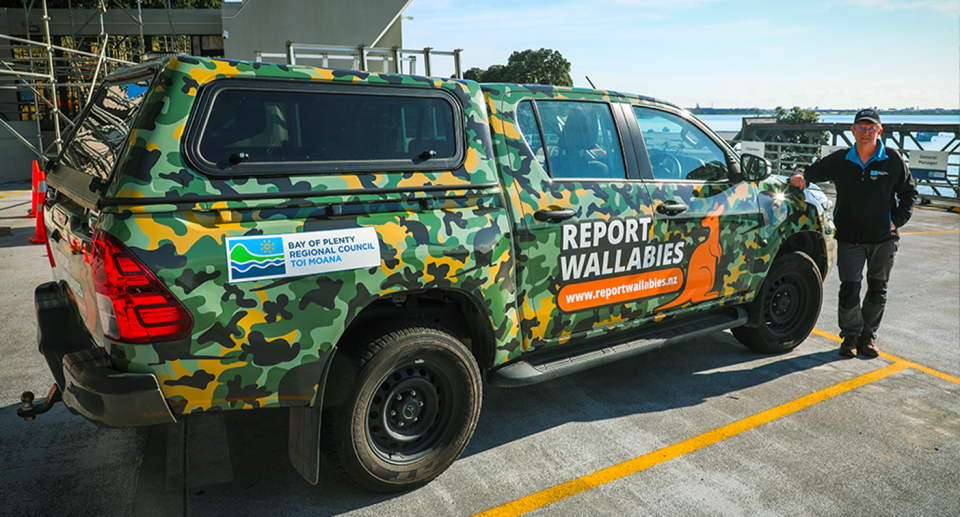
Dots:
{"x": 135, "y": 306}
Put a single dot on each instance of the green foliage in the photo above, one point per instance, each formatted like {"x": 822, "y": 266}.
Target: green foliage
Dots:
{"x": 799, "y": 116}
{"x": 544, "y": 66}
{"x": 796, "y": 115}
{"x": 473, "y": 74}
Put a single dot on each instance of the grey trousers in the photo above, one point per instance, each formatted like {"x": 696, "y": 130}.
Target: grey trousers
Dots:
{"x": 856, "y": 319}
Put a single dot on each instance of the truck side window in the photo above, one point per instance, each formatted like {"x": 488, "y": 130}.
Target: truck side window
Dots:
{"x": 527, "y": 121}
{"x": 256, "y": 128}
{"x": 579, "y": 138}
{"x": 678, "y": 149}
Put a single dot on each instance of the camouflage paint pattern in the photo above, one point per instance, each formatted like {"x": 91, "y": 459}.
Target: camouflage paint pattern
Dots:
{"x": 265, "y": 343}
{"x": 753, "y": 222}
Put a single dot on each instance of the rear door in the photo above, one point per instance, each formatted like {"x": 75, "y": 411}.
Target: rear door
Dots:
{"x": 77, "y": 179}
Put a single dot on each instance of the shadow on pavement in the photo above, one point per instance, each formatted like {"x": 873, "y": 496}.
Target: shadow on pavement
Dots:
{"x": 257, "y": 476}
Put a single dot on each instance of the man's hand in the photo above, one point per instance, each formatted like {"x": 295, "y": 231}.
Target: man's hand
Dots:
{"x": 797, "y": 180}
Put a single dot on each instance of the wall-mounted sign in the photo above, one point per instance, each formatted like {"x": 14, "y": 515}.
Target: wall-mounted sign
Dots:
{"x": 928, "y": 165}
{"x": 827, "y": 150}
{"x": 756, "y": 148}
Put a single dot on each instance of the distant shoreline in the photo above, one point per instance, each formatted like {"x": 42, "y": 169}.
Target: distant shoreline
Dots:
{"x": 761, "y": 112}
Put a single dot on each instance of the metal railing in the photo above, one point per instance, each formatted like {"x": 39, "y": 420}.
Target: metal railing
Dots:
{"x": 909, "y": 139}
{"x": 393, "y": 60}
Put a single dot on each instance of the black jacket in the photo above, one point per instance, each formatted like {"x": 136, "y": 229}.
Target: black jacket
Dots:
{"x": 868, "y": 199}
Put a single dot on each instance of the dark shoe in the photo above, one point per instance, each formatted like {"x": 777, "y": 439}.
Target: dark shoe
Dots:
{"x": 849, "y": 346}
{"x": 866, "y": 346}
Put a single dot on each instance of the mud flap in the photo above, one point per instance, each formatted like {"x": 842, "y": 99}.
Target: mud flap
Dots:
{"x": 304, "y": 442}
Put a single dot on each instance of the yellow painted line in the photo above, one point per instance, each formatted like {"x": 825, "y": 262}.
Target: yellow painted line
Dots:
{"x": 601, "y": 477}
{"x": 604, "y": 476}
{"x": 12, "y": 193}
{"x": 920, "y": 367}
{"x": 928, "y": 233}
{"x": 889, "y": 357}
{"x": 939, "y": 208}
{"x": 827, "y": 335}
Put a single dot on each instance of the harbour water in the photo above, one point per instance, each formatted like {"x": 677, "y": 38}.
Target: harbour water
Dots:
{"x": 733, "y": 122}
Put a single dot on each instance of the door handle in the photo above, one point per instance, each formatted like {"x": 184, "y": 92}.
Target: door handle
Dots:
{"x": 671, "y": 208}
{"x": 554, "y": 216}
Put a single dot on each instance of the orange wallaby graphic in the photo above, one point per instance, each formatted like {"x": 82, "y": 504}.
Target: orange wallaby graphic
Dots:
{"x": 702, "y": 271}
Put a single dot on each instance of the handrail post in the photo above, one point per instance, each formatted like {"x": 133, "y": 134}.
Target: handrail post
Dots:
{"x": 362, "y": 48}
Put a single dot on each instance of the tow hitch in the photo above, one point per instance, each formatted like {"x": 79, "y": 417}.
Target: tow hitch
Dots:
{"x": 28, "y": 411}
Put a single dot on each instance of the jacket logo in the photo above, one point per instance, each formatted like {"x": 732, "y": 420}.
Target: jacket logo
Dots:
{"x": 876, "y": 174}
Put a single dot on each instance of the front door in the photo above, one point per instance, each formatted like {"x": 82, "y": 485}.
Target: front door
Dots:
{"x": 700, "y": 206}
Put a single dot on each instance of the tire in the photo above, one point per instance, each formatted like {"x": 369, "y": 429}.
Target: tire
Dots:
{"x": 788, "y": 305}
{"x": 409, "y": 411}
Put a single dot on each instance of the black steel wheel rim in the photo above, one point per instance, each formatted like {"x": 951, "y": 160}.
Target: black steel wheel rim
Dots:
{"x": 410, "y": 414}
{"x": 785, "y": 303}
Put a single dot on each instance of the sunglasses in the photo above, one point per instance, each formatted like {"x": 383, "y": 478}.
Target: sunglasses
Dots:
{"x": 867, "y": 129}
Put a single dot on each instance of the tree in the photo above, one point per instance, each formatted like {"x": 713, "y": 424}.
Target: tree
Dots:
{"x": 473, "y": 74}
{"x": 799, "y": 116}
{"x": 796, "y": 115}
{"x": 544, "y": 66}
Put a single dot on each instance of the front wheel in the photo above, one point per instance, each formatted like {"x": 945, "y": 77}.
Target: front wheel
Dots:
{"x": 408, "y": 413}
{"x": 789, "y": 305}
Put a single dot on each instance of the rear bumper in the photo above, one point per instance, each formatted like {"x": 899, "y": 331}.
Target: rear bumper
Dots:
{"x": 83, "y": 371}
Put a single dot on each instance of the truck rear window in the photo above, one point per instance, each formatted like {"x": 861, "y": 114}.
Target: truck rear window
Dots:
{"x": 263, "y": 127}
{"x": 96, "y": 144}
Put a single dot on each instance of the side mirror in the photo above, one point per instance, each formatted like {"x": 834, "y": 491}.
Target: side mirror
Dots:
{"x": 754, "y": 168}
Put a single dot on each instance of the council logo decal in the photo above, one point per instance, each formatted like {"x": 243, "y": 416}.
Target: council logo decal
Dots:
{"x": 288, "y": 255}
{"x": 256, "y": 258}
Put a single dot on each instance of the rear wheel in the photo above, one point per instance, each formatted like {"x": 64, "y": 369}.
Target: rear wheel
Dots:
{"x": 408, "y": 413}
{"x": 789, "y": 305}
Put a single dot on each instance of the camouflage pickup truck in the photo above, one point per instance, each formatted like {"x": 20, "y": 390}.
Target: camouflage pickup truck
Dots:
{"x": 366, "y": 250}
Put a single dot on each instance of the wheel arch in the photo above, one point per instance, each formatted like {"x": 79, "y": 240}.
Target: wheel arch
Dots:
{"x": 453, "y": 310}
{"x": 813, "y": 244}
{"x": 810, "y": 243}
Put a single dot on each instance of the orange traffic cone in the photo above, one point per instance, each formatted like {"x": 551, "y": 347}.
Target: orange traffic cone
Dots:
{"x": 36, "y": 185}
{"x": 40, "y": 197}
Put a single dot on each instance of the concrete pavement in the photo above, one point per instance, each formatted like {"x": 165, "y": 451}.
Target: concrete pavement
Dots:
{"x": 672, "y": 432}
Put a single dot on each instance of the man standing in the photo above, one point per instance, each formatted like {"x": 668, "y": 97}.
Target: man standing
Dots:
{"x": 875, "y": 197}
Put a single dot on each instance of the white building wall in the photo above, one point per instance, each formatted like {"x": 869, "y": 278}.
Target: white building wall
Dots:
{"x": 267, "y": 25}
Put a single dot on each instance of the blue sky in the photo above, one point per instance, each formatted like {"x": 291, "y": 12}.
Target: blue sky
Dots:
{"x": 724, "y": 53}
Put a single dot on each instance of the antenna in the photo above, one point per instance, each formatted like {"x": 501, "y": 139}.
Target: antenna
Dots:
{"x": 591, "y": 82}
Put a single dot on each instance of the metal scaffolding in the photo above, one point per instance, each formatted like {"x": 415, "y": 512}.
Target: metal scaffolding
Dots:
{"x": 48, "y": 76}
{"x": 52, "y": 83}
